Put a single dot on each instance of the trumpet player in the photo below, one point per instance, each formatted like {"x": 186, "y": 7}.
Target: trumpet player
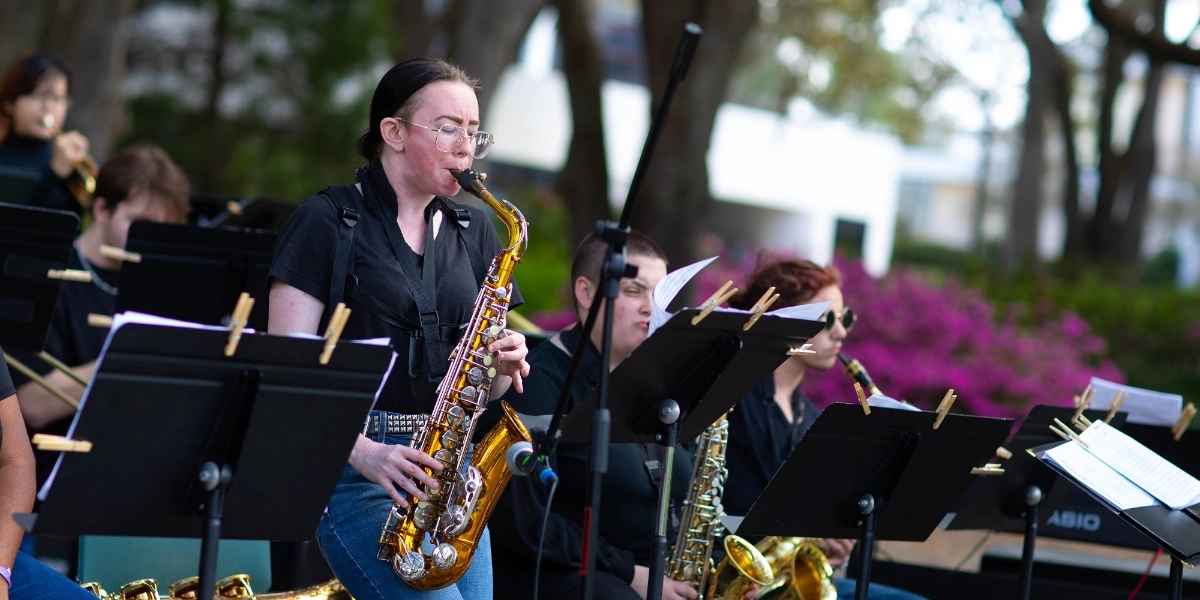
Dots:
{"x": 21, "y": 577}
{"x": 36, "y": 161}
{"x": 769, "y": 421}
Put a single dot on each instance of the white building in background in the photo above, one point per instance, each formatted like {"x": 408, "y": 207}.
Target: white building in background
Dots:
{"x": 795, "y": 181}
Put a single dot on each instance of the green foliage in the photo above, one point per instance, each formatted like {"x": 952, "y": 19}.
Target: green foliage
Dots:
{"x": 545, "y": 271}
{"x": 293, "y": 133}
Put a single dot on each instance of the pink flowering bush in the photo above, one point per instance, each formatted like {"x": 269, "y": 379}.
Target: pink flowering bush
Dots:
{"x": 918, "y": 339}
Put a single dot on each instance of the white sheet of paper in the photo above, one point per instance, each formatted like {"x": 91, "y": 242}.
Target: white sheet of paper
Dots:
{"x": 884, "y": 402}
{"x": 668, "y": 287}
{"x": 1141, "y": 465}
{"x": 807, "y": 312}
{"x": 1102, "y": 479}
{"x": 1144, "y": 406}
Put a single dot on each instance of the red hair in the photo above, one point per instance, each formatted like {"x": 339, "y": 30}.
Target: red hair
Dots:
{"x": 796, "y": 282}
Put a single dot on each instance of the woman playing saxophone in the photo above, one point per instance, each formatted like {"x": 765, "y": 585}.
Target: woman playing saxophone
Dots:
{"x": 769, "y": 421}
{"x": 408, "y": 247}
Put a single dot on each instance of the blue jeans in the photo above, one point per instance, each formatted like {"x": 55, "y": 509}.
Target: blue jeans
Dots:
{"x": 34, "y": 581}
{"x": 349, "y": 539}
{"x": 846, "y": 587}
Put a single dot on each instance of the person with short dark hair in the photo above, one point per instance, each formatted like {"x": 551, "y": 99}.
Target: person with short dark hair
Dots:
{"x": 21, "y": 577}
{"x": 424, "y": 123}
{"x": 629, "y": 501}
{"x": 768, "y": 422}
{"x": 139, "y": 183}
{"x": 35, "y": 164}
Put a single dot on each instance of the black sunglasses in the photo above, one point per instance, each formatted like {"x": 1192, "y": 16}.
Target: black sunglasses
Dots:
{"x": 847, "y": 318}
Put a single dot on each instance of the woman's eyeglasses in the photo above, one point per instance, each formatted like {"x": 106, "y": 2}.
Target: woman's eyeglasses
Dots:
{"x": 450, "y": 137}
{"x": 846, "y": 317}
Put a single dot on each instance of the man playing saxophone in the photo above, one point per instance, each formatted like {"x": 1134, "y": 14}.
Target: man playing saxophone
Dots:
{"x": 630, "y": 492}
{"x": 768, "y": 422}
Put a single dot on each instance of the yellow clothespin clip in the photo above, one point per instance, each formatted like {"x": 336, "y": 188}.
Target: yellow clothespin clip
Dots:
{"x": 99, "y": 320}
{"x": 713, "y": 301}
{"x": 1065, "y": 433}
{"x": 1085, "y": 397}
{"x": 802, "y": 350}
{"x": 862, "y": 398}
{"x": 1185, "y": 419}
{"x": 70, "y": 275}
{"x": 1115, "y": 405}
{"x": 760, "y": 307}
{"x": 55, "y": 443}
{"x": 234, "y": 208}
{"x": 333, "y": 331}
{"x": 237, "y": 321}
{"x": 988, "y": 469}
{"x": 120, "y": 254}
{"x": 1004, "y": 453}
{"x": 1082, "y": 423}
{"x": 943, "y": 409}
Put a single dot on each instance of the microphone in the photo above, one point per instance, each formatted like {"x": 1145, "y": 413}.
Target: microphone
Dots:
{"x": 523, "y": 461}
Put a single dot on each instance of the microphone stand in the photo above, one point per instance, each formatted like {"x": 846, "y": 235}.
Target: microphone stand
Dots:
{"x": 613, "y": 269}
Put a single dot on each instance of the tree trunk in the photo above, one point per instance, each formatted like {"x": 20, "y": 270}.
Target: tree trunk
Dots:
{"x": 1026, "y": 207}
{"x": 583, "y": 180}
{"x": 676, "y": 187}
{"x": 1142, "y": 156}
{"x": 418, "y": 28}
{"x": 1100, "y": 231}
{"x": 210, "y": 120}
{"x": 485, "y": 36}
{"x": 1073, "y": 244}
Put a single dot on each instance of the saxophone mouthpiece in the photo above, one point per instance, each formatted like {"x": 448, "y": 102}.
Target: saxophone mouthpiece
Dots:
{"x": 470, "y": 180}
{"x": 846, "y": 360}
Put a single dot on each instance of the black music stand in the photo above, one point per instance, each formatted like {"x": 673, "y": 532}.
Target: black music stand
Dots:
{"x": 888, "y": 475}
{"x": 33, "y": 241}
{"x": 682, "y": 379}
{"x": 196, "y": 274}
{"x": 257, "y": 441}
{"x": 1175, "y": 531}
{"x": 1023, "y": 498}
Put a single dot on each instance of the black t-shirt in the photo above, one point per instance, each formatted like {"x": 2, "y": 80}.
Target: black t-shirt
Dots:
{"x": 760, "y": 440}
{"x": 6, "y": 389}
{"x": 71, "y": 339}
{"x": 304, "y": 255}
{"x": 26, "y": 176}
{"x": 629, "y": 499}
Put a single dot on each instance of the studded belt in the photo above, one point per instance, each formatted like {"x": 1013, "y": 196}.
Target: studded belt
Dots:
{"x": 391, "y": 423}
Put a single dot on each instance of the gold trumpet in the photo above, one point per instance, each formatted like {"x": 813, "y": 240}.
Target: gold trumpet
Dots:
{"x": 801, "y": 570}
{"x": 83, "y": 183}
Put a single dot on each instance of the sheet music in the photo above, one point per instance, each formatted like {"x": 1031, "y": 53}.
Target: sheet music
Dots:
{"x": 807, "y": 312}
{"x": 1100, "y": 478}
{"x": 1154, "y": 474}
{"x": 1144, "y": 406}
{"x": 668, "y": 287}
{"x": 877, "y": 401}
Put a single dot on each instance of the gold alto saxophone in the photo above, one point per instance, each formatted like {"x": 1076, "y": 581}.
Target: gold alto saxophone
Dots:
{"x": 234, "y": 586}
{"x": 691, "y": 557}
{"x": 431, "y": 544}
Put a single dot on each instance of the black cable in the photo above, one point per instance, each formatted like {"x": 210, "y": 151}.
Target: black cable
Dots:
{"x": 537, "y": 563}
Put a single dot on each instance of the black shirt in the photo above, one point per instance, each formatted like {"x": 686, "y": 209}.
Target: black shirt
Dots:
{"x": 304, "y": 255}
{"x": 26, "y": 177}
{"x": 629, "y": 499}
{"x": 6, "y": 389}
{"x": 760, "y": 439}
{"x": 70, "y": 338}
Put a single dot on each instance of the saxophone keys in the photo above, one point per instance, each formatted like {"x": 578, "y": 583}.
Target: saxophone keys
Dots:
{"x": 444, "y": 556}
{"x": 475, "y": 376}
{"x": 410, "y": 566}
{"x": 424, "y": 517}
{"x": 451, "y": 439}
{"x": 488, "y": 359}
{"x": 456, "y": 520}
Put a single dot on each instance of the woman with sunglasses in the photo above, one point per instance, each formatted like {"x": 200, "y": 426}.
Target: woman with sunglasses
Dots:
{"x": 385, "y": 245}
{"x": 768, "y": 422}
{"x": 36, "y": 162}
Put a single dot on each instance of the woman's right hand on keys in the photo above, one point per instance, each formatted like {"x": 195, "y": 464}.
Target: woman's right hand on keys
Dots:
{"x": 395, "y": 467}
